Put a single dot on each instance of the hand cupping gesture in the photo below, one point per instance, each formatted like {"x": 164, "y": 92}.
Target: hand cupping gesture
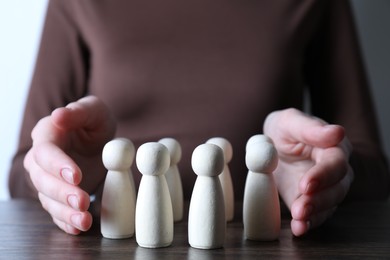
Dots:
{"x": 64, "y": 162}
{"x": 313, "y": 175}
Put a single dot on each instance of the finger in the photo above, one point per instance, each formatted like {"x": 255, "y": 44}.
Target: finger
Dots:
{"x": 79, "y": 220}
{"x": 46, "y": 131}
{"x": 90, "y": 122}
{"x": 88, "y": 113}
{"x": 293, "y": 126}
{"x": 66, "y": 227}
{"x": 299, "y": 227}
{"x": 306, "y": 206}
{"x": 59, "y": 190}
{"x": 51, "y": 159}
{"x": 331, "y": 166}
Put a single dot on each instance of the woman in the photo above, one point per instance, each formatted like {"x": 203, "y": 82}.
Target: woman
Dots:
{"x": 193, "y": 70}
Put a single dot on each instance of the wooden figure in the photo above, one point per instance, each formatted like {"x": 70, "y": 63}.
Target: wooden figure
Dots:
{"x": 173, "y": 177}
{"x": 118, "y": 198}
{"x": 225, "y": 177}
{"x": 154, "y": 214}
{"x": 261, "y": 209}
{"x": 206, "y": 220}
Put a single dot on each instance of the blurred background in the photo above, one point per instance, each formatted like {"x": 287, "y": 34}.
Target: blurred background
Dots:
{"x": 20, "y": 28}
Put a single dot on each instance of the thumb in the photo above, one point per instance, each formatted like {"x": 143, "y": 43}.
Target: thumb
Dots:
{"x": 88, "y": 113}
{"x": 89, "y": 121}
{"x": 293, "y": 126}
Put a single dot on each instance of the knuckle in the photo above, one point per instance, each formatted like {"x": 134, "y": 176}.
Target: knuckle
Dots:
{"x": 27, "y": 161}
{"x": 44, "y": 202}
{"x": 290, "y": 111}
{"x": 35, "y": 133}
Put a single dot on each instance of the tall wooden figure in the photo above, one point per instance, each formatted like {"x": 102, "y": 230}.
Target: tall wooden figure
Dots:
{"x": 225, "y": 177}
{"x": 118, "y": 199}
{"x": 206, "y": 219}
{"x": 261, "y": 209}
{"x": 153, "y": 214}
{"x": 173, "y": 177}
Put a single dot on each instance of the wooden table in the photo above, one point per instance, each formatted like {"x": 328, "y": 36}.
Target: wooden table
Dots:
{"x": 357, "y": 231}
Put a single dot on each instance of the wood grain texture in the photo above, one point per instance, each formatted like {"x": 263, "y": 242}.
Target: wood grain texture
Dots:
{"x": 357, "y": 231}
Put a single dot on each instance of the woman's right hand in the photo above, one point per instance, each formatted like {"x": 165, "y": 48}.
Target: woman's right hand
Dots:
{"x": 64, "y": 162}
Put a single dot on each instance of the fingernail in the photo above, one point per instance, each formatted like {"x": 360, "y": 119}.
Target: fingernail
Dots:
{"x": 73, "y": 202}
{"x": 330, "y": 126}
{"x": 76, "y": 220}
{"x": 67, "y": 174}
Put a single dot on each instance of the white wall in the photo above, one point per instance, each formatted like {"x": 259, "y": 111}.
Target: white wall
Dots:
{"x": 20, "y": 26}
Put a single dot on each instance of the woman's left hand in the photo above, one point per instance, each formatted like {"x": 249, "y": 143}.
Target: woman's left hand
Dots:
{"x": 313, "y": 174}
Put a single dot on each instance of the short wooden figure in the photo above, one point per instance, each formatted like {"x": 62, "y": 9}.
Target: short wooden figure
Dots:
{"x": 173, "y": 177}
{"x": 225, "y": 177}
{"x": 258, "y": 138}
{"x": 118, "y": 198}
{"x": 261, "y": 209}
{"x": 154, "y": 213}
{"x": 206, "y": 220}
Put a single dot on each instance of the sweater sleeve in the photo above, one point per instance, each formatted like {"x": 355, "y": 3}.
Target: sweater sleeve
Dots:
{"x": 340, "y": 94}
{"x": 60, "y": 77}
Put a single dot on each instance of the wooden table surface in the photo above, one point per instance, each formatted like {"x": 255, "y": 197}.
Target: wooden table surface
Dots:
{"x": 357, "y": 231}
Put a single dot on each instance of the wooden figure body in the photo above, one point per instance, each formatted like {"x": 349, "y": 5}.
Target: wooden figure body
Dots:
{"x": 154, "y": 214}
{"x": 261, "y": 209}
{"x": 225, "y": 177}
{"x": 173, "y": 177}
{"x": 118, "y": 198}
{"x": 206, "y": 220}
